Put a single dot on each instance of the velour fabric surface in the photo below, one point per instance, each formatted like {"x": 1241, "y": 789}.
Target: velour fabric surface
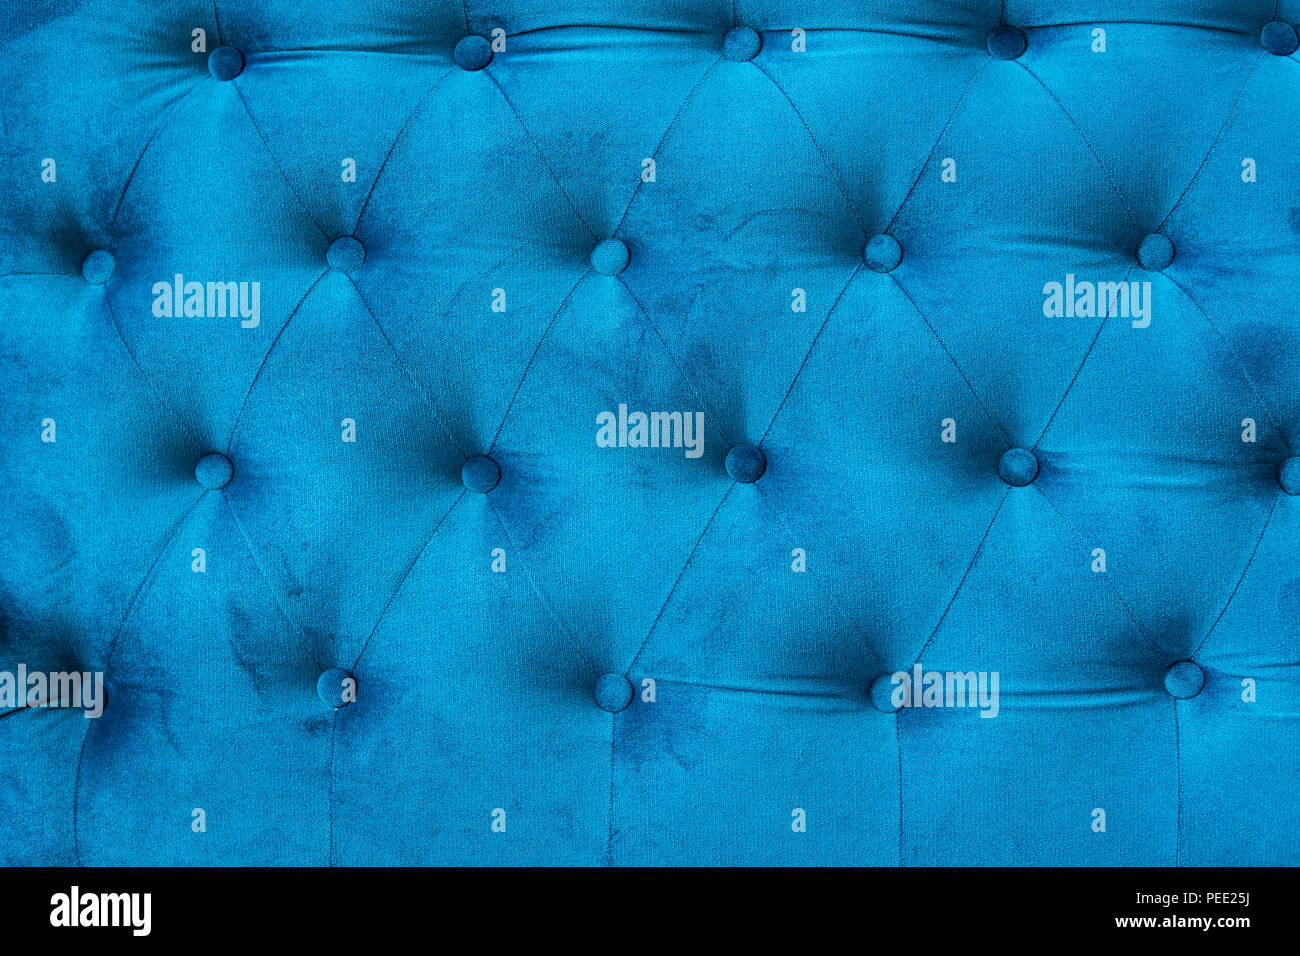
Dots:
{"x": 638, "y": 432}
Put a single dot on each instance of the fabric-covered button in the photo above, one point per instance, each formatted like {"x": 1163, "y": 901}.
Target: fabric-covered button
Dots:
{"x": 1184, "y": 679}
{"x": 214, "y": 471}
{"x": 746, "y": 463}
{"x": 1155, "y": 252}
{"x": 882, "y": 692}
{"x": 1288, "y": 475}
{"x": 98, "y": 266}
{"x": 741, "y": 44}
{"x": 336, "y": 688}
{"x": 225, "y": 63}
{"x": 1279, "y": 38}
{"x": 480, "y": 474}
{"x": 882, "y": 254}
{"x": 346, "y": 253}
{"x": 473, "y": 53}
{"x": 610, "y": 257}
{"x": 1007, "y": 42}
{"x": 1018, "y": 466}
{"x": 613, "y": 693}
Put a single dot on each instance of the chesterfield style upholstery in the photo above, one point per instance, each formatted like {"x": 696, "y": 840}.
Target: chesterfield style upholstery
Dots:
{"x": 536, "y": 433}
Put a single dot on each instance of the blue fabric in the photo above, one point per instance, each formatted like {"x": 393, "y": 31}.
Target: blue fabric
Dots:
{"x": 445, "y": 286}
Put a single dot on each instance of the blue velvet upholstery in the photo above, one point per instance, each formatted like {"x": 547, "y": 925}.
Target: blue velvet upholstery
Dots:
{"x": 332, "y": 328}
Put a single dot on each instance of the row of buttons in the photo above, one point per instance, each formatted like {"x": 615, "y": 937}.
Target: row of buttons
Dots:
{"x": 480, "y": 473}
{"x": 742, "y": 44}
{"x": 610, "y": 257}
{"x": 613, "y": 692}
{"x": 744, "y": 463}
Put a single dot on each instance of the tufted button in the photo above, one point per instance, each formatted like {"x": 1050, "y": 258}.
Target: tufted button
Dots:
{"x": 473, "y": 53}
{"x": 1184, "y": 679}
{"x": 1007, "y": 42}
{"x": 613, "y": 692}
{"x": 1288, "y": 475}
{"x": 746, "y": 463}
{"x": 1279, "y": 38}
{"x": 1155, "y": 252}
{"x": 741, "y": 44}
{"x": 97, "y": 267}
{"x": 225, "y": 63}
{"x": 610, "y": 257}
{"x": 346, "y": 253}
{"x": 1018, "y": 466}
{"x": 480, "y": 474}
{"x": 882, "y": 254}
{"x": 331, "y": 688}
{"x": 214, "y": 471}
{"x": 882, "y": 692}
